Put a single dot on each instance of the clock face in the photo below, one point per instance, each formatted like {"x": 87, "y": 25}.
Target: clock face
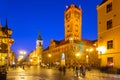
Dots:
{"x": 68, "y": 15}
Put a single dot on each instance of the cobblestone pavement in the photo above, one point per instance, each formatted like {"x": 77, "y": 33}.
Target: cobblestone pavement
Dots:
{"x": 54, "y": 74}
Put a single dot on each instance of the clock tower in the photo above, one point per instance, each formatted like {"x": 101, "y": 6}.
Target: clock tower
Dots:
{"x": 39, "y": 41}
{"x": 73, "y": 23}
{"x": 39, "y": 49}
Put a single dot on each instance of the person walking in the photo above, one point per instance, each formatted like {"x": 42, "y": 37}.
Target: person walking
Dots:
{"x": 60, "y": 69}
{"x": 80, "y": 70}
{"x": 64, "y": 70}
{"x": 76, "y": 70}
{"x": 23, "y": 67}
{"x": 83, "y": 70}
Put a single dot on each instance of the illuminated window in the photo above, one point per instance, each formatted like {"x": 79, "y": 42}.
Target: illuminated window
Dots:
{"x": 109, "y": 24}
{"x": 68, "y": 26}
{"x": 110, "y": 44}
{"x": 109, "y": 7}
{"x": 68, "y": 15}
{"x": 76, "y": 30}
{"x": 77, "y": 14}
{"x": 110, "y": 61}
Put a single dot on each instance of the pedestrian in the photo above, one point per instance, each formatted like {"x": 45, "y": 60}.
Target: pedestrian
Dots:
{"x": 80, "y": 70}
{"x": 76, "y": 70}
{"x": 60, "y": 69}
{"x": 64, "y": 70}
{"x": 83, "y": 70}
{"x": 23, "y": 67}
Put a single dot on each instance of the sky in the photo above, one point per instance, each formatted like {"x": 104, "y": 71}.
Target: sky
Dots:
{"x": 29, "y": 17}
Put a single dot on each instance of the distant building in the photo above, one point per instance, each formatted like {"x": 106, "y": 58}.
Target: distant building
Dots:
{"x": 35, "y": 57}
{"x": 73, "y": 49}
{"x": 109, "y": 33}
{"x": 6, "y": 41}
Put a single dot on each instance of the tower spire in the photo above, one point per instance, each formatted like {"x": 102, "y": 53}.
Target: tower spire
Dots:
{"x": 6, "y": 28}
{"x": 6, "y": 25}
{"x": 39, "y": 36}
{"x": 0, "y": 23}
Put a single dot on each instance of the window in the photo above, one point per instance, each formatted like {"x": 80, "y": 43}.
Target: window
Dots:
{"x": 110, "y": 61}
{"x": 110, "y": 44}
{"x": 40, "y": 44}
{"x": 76, "y": 30}
{"x": 68, "y": 15}
{"x": 68, "y": 26}
{"x": 77, "y": 14}
{"x": 109, "y": 24}
{"x": 109, "y": 7}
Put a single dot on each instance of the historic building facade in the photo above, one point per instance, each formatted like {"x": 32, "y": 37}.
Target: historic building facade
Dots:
{"x": 73, "y": 49}
{"x": 35, "y": 56}
{"x": 109, "y": 32}
{"x": 6, "y": 55}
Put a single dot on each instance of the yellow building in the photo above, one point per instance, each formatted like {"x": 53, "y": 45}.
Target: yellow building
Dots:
{"x": 73, "y": 22}
{"x": 5, "y": 45}
{"x": 72, "y": 49}
{"x": 35, "y": 56}
{"x": 109, "y": 32}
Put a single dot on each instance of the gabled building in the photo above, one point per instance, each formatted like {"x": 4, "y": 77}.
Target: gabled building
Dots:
{"x": 73, "y": 49}
{"x": 6, "y": 42}
{"x": 109, "y": 32}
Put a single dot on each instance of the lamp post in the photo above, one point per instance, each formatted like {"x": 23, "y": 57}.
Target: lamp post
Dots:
{"x": 49, "y": 55}
{"x": 101, "y": 50}
{"x": 77, "y": 56}
{"x": 22, "y": 54}
{"x": 88, "y": 55}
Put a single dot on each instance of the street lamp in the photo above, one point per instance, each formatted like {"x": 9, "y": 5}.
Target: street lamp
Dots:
{"x": 49, "y": 55}
{"x": 22, "y": 54}
{"x": 77, "y": 56}
{"x": 101, "y": 49}
{"x": 88, "y": 54}
{"x": 87, "y": 59}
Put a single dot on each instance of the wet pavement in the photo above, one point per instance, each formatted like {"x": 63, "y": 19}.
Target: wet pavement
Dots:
{"x": 37, "y": 73}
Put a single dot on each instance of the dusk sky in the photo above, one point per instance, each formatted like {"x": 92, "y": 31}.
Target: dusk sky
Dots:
{"x": 28, "y": 17}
